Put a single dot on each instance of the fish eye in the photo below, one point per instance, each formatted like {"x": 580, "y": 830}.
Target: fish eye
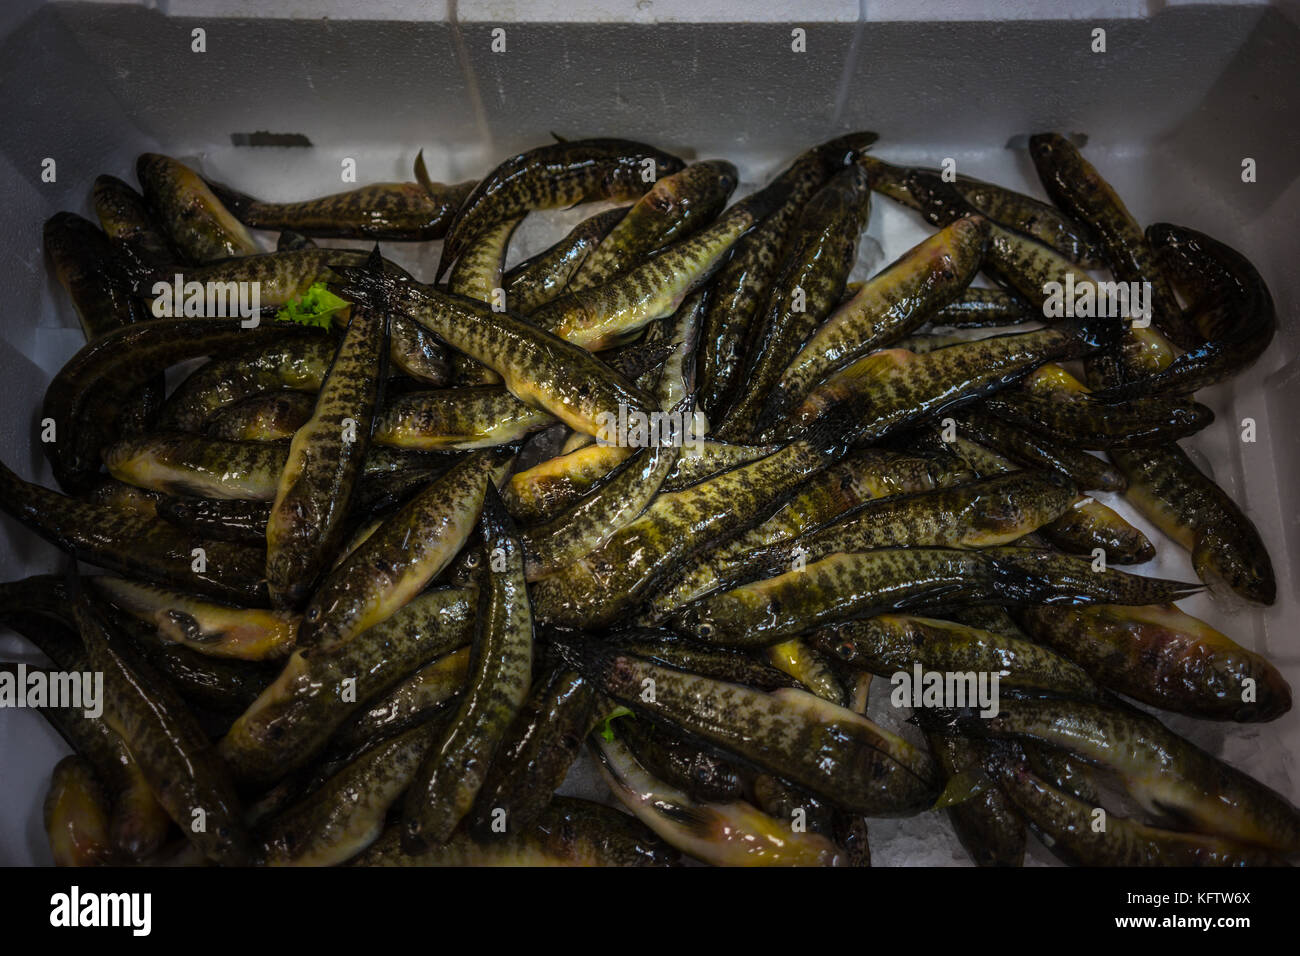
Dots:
{"x": 312, "y": 615}
{"x": 705, "y": 630}
{"x": 845, "y": 650}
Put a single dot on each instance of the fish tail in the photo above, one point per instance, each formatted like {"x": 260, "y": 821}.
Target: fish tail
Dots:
{"x": 1028, "y": 576}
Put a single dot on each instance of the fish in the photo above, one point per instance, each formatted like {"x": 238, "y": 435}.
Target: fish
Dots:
{"x": 214, "y": 629}
{"x": 174, "y": 755}
{"x": 427, "y": 692}
{"x": 894, "y": 303}
{"x": 674, "y": 208}
{"x": 198, "y": 224}
{"x": 987, "y": 824}
{"x": 811, "y": 667}
{"x": 183, "y": 464}
{"x": 1161, "y": 656}
{"x": 478, "y": 274}
{"x": 266, "y": 416}
{"x": 324, "y": 463}
{"x": 1090, "y": 525}
{"x": 319, "y": 689}
{"x": 76, "y": 815}
{"x": 1034, "y": 451}
{"x": 241, "y": 520}
{"x": 131, "y": 228}
{"x": 541, "y": 278}
{"x": 825, "y": 750}
{"x": 721, "y": 663}
{"x": 822, "y": 249}
{"x": 570, "y": 832}
{"x": 735, "y": 833}
{"x": 1084, "y": 422}
{"x": 403, "y": 555}
{"x": 452, "y": 775}
{"x": 88, "y": 269}
{"x": 558, "y": 174}
{"x": 854, "y": 585}
{"x": 465, "y": 418}
{"x": 702, "y": 775}
{"x": 978, "y": 308}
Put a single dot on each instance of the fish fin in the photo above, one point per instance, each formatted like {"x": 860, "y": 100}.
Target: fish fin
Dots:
{"x": 422, "y": 174}
{"x": 961, "y": 787}
{"x": 557, "y": 137}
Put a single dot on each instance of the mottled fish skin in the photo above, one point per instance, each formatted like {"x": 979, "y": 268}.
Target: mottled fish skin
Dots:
{"x": 388, "y": 211}
{"x": 346, "y": 814}
{"x": 616, "y": 577}
{"x": 811, "y": 667}
{"x": 1090, "y": 525}
{"x": 1231, "y": 307}
{"x": 821, "y": 748}
{"x": 863, "y": 475}
{"x": 143, "y": 502}
{"x": 403, "y": 555}
{"x": 1066, "y": 825}
{"x": 816, "y": 265}
{"x": 982, "y": 308}
{"x": 295, "y": 364}
{"x": 134, "y": 544}
{"x": 268, "y": 416}
{"x": 293, "y": 718}
{"x": 540, "y": 278}
{"x": 851, "y": 586}
{"x": 455, "y": 770}
{"x": 174, "y": 755}
{"x": 570, "y": 832}
{"x": 674, "y": 208}
{"x": 179, "y": 463}
{"x": 558, "y": 174}
{"x": 889, "y": 643}
{"x": 477, "y": 275}
{"x": 740, "y": 288}
{"x": 1076, "y": 186}
{"x": 894, "y": 387}
{"x": 483, "y": 416}
{"x": 1089, "y": 472}
{"x": 704, "y": 459}
{"x": 315, "y": 488}
{"x": 598, "y": 317}
{"x": 702, "y": 775}
{"x": 130, "y": 227}
{"x": 199, "y": 226}
{"x": 86, "y": 266}
{"x": 427, "y": 692}
{"x": 288, "y": 240}
{"x": 721, "y": 663}
{"x": 1083, "y": 422}
{"x": 76, "y": 815}
{"x": 735, "y": 833}
{"x": 538, "y": 368}
{"x": 891, "y": 305}
{"x": 536, "y": 754}
{"x": 1165, "y": 658}
{"x": 222, "y": 519}
{"x": 987, "y": 824}
{"x": 539, "y": 493}
{"x": 1166, "y": 774}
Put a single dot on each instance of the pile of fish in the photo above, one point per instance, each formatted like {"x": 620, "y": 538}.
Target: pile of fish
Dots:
{"x": 670, "y": 492}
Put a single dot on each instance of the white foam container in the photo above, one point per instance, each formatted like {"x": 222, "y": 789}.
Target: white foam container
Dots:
{"x": 1183, "y": 93}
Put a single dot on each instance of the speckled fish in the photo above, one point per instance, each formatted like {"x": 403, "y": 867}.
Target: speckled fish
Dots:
{"x": 293, "y": 719}
{"x": 889, "y": 643}
{"x": 346, "y": 813}
{"x": 295, "y": 363}
{"x": 1034, "y": 451}
{"x": 426, "y": 693}
{"x": 269, "y": 416}
{"x": 893, "y": 304}
{"x": 134, "y": 544}
{"x": 199, "y": 226}
{"x": 863, "y": 475}
{"x": 1084, "y": 422}
{"x": 981, "y": 308}
{"x": 721, "y": 663}
{"x": 987, "y": 824}
{"x": 288, "y": 240}
{"x": 540, "y": 278}
{"x": 483, "y": 416}
{"x": 179, "y": 463}
{"x": 822, "y": 249}
{"x": 1231, "y": 307}
{"x": 1166, "y": 658}
{"x": 1076, "y": 186}
{"x": 325, "y": 458}
{"x": 894, "y": 387}
{"x": 222, "y": 519}
{"x": 1046, "y": 223}
{"x": 741, "y": 286}
{"x": 538, "y": 368}
{"x": 541, "y": 492}
{"x": 599, "y": 317}
{"x": 76, "y": 816}
{"x": 393, "y": 211}
{"x": 990, "y": 511}
{"x": 217, "y": 630}
{"x": 451, "y": 776}
{"x": 850, "y": 586}
{"x": 86, "y": 266}
{"x": 826, "y": 750}
{"x": 127, "y": 497}
{"x": 403, "y": 555}
{"x": 570, "y": 832}
{"x": 664, "y": 754}
{"x": 104, "y": 374}
{"x": 477, "y": 275}
{"x": 558, "y": 174}
{"x": 674, "y": 208}
{"x": 536, "y": 754}
{"x": 616, "y": 577}
{"x": 811, "y": 667}
{"x": 705, "y": 458}
{"x": 1165, "y": 774}
{"x": 183, "y": 770}
{"x": 722, "y": 834}
{"x": 1066, "y": 825}
{"x": 131, "y": 228}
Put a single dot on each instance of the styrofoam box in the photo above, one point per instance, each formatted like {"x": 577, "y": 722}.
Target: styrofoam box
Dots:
{"x": 1181, "y": 96}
